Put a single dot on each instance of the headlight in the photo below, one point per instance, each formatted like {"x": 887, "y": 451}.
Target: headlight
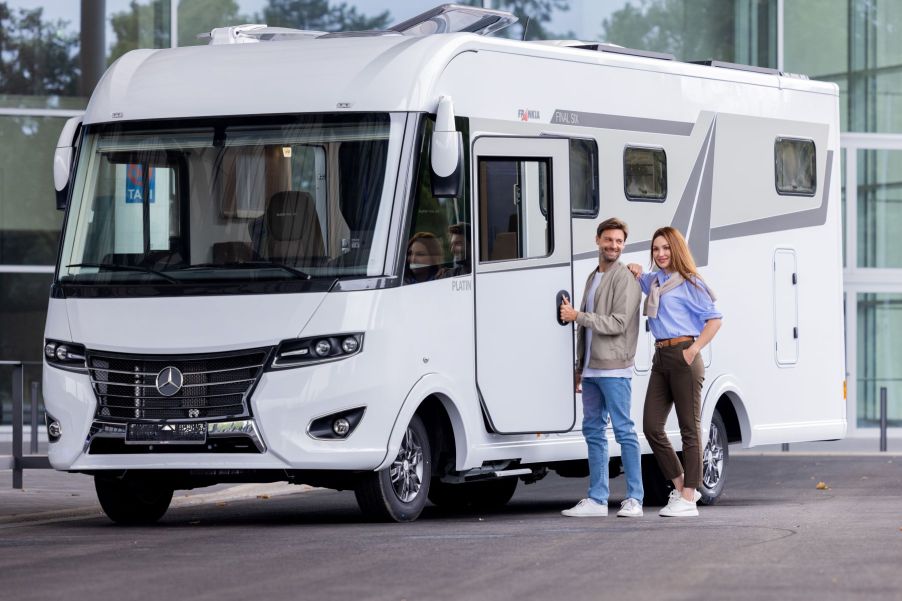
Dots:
{"x": 298, "y": 352}
{"x": 65, "y": 355}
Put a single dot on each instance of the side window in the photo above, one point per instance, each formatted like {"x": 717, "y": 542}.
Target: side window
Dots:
{"x": 794, "y": 164}
{"x": 584, "y": 178}
{"x": 440, "y": 238}
{"x": 514, "y": 202}
{"x": 133, "y": 189}
{"x": 645, "y": 174}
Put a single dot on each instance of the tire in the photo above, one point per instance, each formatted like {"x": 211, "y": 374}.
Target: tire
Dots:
{"x": 130, "y": 502}
{"x": 398, "y": 493}
{"x": 479, "y": 496}
{"x": 715, "y": 457}
{"x": 657, "y": 488}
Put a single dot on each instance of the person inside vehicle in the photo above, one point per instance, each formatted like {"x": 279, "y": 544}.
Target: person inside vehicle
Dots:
{"x": 424, "y": 256}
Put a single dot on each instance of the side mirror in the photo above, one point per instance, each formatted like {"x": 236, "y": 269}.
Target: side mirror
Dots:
{"x": 446, "y": 152}
{"x": 63, "y": 159}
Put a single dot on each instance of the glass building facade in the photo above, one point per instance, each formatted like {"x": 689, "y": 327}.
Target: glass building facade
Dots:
{"x": 52, "y": 54}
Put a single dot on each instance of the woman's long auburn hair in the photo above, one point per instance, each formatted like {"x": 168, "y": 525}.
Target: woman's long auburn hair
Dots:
{"x": 681, "y": 259}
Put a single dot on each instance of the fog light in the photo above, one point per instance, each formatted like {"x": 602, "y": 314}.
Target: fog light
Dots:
{"x": 341, "y": 427}
{"x": 62, "y": 352}
{"x": 50, "y": 350}
{"x": 54, "y": 430}
{"x": 322, "y": 348}
{"x": 349, "y": 344}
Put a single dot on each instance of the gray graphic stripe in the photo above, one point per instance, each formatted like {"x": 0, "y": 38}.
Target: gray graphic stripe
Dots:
{"x": 481, "y": 269}
{"x": 622, "y": 122}
{"x": 699, "y": 237}
{"x": 684, "y": 209}
{"x": 778, "y": 223}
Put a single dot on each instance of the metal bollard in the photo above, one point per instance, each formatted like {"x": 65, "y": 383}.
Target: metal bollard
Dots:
{"x": 18, "y": 396}
{"x": 34, "y": 418}
{"x": 883, "y": 419}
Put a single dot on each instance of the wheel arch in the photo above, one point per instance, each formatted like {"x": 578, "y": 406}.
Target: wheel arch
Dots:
{"x": 725, "y": 396}
{"x": 433, "y": 399}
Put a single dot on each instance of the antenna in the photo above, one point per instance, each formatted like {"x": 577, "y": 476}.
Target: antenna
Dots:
{"x": 525, "y": 28}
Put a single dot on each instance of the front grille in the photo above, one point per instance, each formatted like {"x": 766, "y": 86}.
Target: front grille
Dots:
{"x": 214, "y": 385}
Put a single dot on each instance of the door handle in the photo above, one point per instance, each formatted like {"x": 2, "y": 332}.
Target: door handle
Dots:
{"x": 557, "y": 305}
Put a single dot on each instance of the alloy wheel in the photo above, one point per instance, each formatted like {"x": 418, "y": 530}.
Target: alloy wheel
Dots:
{"x": 407, "y": 469}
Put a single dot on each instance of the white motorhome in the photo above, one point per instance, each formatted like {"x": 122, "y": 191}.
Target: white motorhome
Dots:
{"x": 337, "y": 259}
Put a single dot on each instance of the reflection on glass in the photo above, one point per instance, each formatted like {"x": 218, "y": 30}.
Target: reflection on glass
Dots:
{"x": 23, "y": 310}
{"x": 29, "y": 221}
{"x": 879, "y": 207}
{"x": 879, "y": 357}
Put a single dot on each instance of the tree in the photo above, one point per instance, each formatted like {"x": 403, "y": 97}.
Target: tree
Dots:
{"x": 689, "y": 30}
{"x": 141, "y": 26}
{"x": 318, "y": 15}
{"x": 201, "y": 16}
{"x": 37, "y": 57}
{"x": 532, "y": 16}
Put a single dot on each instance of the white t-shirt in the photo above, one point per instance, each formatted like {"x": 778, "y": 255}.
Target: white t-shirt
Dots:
{"x": 588, "y": 372}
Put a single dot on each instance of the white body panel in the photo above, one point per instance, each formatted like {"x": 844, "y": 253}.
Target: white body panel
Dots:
{"x": 717, "y": 127}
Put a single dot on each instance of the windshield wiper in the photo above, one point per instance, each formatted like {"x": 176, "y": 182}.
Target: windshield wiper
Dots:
{"x": 249, "y": 265}
{"x": 115, "y": 267}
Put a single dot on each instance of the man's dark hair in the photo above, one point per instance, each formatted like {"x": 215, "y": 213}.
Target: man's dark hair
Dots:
{"x": 613, "y": 224}
{"x": 462, "y": 228}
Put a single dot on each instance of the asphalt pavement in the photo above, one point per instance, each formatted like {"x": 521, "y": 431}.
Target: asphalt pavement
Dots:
{"x": 776, "y": 534}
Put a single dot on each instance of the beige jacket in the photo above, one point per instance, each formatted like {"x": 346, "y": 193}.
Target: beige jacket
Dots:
{"x": 615, "y": 322}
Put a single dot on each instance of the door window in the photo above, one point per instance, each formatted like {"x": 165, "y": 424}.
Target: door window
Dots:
{"x": 515, "y": 209}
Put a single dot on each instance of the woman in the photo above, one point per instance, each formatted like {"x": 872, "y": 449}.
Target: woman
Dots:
{"x": 683, "y": 319}
{"x": 424, "y": 256}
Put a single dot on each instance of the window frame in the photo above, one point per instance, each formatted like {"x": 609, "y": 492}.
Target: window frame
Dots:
{"x": 782, "y": 192}
{"x": 655, "y": 199}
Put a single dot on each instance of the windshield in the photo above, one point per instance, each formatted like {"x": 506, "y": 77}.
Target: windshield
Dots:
{"x": 236, "y": 200}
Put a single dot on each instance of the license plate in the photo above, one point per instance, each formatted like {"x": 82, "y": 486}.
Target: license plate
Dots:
{"x": 166, "y": 434}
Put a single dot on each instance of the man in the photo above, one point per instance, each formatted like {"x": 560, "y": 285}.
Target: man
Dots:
{"x": 607, "y": 331}
{"x": 459, "y": 244}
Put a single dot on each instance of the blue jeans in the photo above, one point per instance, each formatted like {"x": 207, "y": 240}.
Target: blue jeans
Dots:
{"x": 603, "y": 397}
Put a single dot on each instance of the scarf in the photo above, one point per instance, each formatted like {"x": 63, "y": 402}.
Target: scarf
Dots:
{"x": 656, "y": 290}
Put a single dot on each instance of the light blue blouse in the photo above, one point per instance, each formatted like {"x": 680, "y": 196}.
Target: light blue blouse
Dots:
{"x": 681, "y": 312}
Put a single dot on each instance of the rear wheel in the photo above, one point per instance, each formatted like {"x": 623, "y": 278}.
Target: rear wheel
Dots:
{"x": 714, "y": 461}
{"x": 487, "y": 494}
{"x": 132, "y": 502}
{"x": 398, "y": 493}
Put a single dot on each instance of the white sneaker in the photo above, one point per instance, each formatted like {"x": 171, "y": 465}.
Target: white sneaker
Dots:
{"x": 587, "y": 508}
{"x": 630, "y": 508}
{"x": 677, "y": 506}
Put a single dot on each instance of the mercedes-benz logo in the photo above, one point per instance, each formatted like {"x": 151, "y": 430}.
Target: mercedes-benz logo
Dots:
{"x": 169, "y": 381}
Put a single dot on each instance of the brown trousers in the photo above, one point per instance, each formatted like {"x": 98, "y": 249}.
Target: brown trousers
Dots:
{"x": 673, "y": 383}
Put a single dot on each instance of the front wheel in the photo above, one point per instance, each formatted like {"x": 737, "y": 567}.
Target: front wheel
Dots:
{"x": 714, "y": 461}
{"x": 398, "y": 493}
{"x": 132, "y": 502}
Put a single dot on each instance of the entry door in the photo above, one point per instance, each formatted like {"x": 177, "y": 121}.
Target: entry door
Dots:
{"x": 524, "y": 357}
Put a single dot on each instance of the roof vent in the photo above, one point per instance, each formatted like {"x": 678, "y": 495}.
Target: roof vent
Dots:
{"x": 447, "y": 18}
{"x": 255, "y": 32}
{"x": 456, "y": 18}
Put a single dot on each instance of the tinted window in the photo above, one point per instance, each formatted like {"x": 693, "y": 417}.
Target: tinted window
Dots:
{"x": 795, "y": 167}
{"x": 584, "y": 178}
{"x": 645, "y": 173}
